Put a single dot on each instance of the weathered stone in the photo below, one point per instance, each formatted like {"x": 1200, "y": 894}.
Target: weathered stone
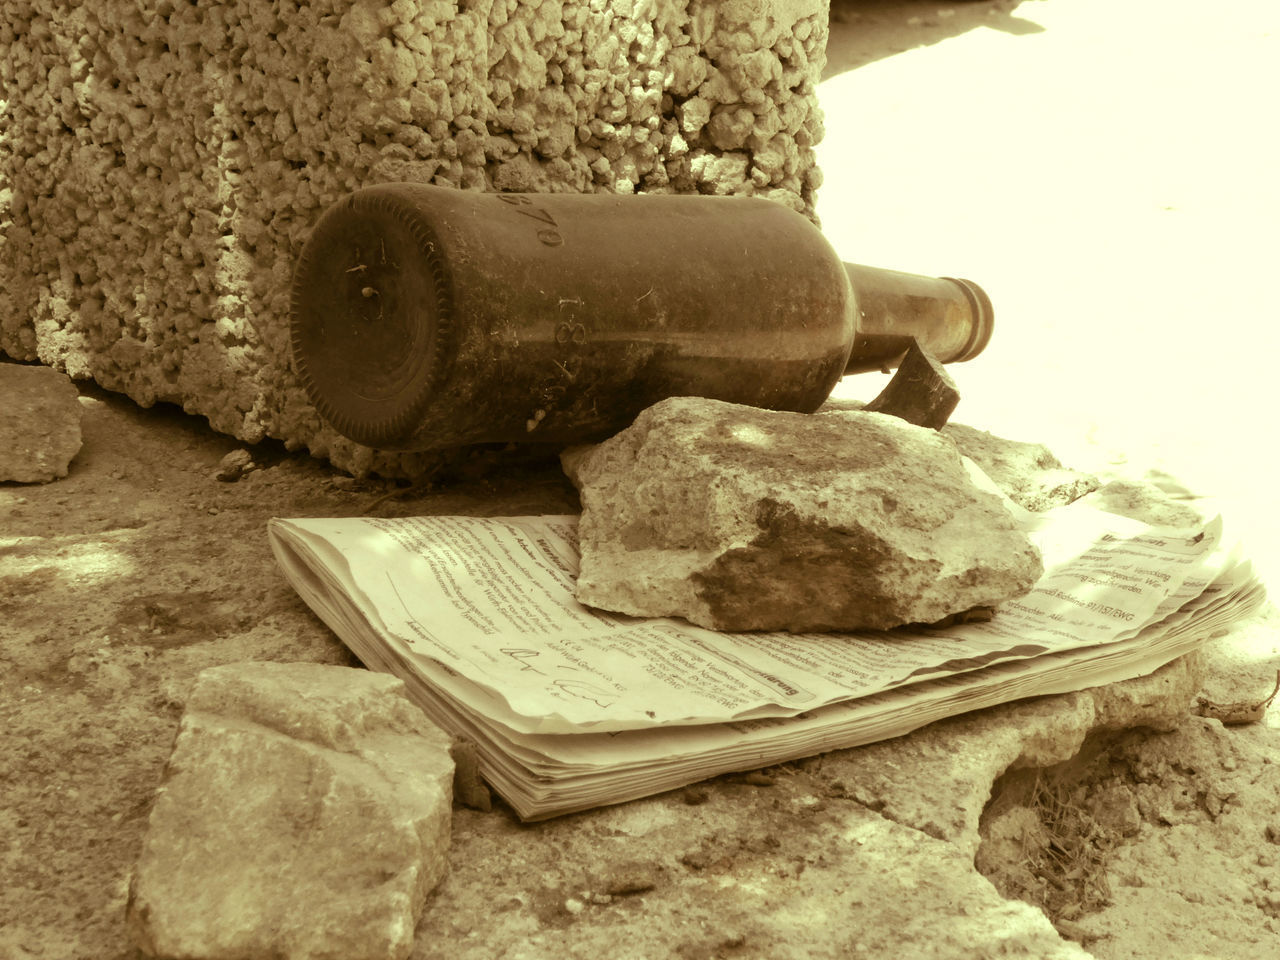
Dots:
{"x": 745, "y": 519}
{"x": 39, "y": 423}
{"x": 1029, "y": 474}
{"x": 1146, "y": 502}
{"x": 234, "y": 466}
{"x": 938, "y": 779}
{"x": 305, "y": 814}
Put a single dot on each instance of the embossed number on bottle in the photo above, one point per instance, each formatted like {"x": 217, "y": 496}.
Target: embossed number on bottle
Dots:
{"x": 571, "y": 335}
{"x": 549, "y": 234}
{"x": 570, "y": 331}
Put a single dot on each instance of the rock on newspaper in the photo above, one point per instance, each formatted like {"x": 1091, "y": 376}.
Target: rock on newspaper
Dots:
{"x": 572, "y": 708}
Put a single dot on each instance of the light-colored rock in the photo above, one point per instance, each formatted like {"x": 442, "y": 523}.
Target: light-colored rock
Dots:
{"x": 745, "y": 519}
{"x": 1200, "y": 870}
{"x": 1243, "y": 662}
{"x": 1146, "y": 502}
{"x": 39, "y": 423}
{"x": 938, "y": 779}
{"x": 305, "y": 815}
{"x": 1029, "y": 474}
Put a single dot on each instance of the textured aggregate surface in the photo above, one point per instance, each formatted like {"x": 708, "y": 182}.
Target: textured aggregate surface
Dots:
{"x": 161, "y": 163}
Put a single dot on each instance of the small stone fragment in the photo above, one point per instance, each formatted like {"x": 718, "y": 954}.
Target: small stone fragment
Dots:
{"x": 234, "y": 466}
{"x": 1029, "y": 474}
{"x": 973, "y": 615}
{"x": 744, "y": 519}
{"x": 305, "y": 814}
{"x": 1146, "y": 502}
{"x": 1115, "y": 809}
{"x": 1237, "y": 712}
{"x": 468, "y": 787}
{"x": 630, "y": 878}
{"x": 39, "y": 423}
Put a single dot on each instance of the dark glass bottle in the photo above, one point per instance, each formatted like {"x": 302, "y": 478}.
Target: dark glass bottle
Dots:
{"x": 426, "y": 317}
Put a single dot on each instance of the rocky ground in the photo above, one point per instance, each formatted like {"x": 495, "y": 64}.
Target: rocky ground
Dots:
{"x": 124, "y": 579}
{"x": 121, "y": 581}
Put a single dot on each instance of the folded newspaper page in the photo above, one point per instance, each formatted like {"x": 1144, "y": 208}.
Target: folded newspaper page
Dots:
{"x": 572, "y": 707}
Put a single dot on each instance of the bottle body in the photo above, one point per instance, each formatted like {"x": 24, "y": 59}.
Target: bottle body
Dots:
{"x": 425, "y": 317}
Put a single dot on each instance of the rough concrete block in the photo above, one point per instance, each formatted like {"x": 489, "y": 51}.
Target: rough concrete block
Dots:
{"x": 39, "y": 423}
{"x": 305, "y": 814}
{"x": 162, "y": 163}
{"x": 744, "y": 519}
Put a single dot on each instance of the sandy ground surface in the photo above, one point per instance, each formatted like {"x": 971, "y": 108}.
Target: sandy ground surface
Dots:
{"x": 1103, "y": 170}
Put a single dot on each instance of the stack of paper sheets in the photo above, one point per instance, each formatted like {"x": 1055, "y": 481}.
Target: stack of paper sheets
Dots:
{"x": 572, "y": 708}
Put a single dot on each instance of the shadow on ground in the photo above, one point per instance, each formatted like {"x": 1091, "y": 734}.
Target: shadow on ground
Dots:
{"x": 863, "y": 31}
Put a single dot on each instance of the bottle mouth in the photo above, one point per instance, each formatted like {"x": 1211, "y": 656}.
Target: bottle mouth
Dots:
{"x": 370, "y": 314}
{"x": 952, "y": 319}
{"x": 983, "y": 319}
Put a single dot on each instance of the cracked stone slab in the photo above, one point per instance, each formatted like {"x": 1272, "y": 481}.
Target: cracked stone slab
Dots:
{"x": 938, "y": 779}
{"x": 305, "y": 815}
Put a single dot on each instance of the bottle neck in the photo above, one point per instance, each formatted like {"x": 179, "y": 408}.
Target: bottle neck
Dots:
{"x": 951, "y": 319}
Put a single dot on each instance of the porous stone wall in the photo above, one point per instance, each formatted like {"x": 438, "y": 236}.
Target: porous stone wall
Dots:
{"x": 162, "y": 161}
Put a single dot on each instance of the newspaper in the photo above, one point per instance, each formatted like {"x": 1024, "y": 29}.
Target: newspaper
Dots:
{"x": 573, "y": 707}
